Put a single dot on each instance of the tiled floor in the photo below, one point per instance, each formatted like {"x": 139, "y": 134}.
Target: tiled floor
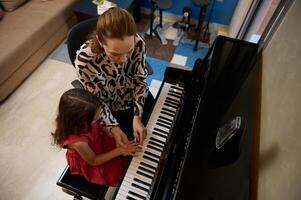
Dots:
{"x": 29, "y": 165}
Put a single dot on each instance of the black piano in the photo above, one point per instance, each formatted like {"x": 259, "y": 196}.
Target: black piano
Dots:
{"x": 199, "y": 141}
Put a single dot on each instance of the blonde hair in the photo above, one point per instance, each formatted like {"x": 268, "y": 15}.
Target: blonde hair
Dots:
{"x": 114, "y": 23}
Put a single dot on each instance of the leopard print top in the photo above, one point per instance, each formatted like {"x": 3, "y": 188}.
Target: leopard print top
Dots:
{"x": 117, "y": 86}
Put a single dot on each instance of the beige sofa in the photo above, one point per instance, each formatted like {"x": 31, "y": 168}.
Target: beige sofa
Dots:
{"x": 28, "y": 35}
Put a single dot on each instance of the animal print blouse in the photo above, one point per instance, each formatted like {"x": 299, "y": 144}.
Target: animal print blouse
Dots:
{"x": 117, "y": 86}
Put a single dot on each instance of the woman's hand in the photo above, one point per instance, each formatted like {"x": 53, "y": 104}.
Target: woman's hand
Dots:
{"x": 119, "y": 136}
{"x": 130, "y": 149}
{"x": 139, "y": 129}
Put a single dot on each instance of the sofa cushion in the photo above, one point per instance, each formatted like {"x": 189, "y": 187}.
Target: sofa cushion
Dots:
{"x": 25, "y": 30}
{"x": 10, "y": 5}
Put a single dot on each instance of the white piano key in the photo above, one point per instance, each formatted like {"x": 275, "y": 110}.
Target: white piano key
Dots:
{"x": 134, "y": 189}
{"x": 136, "y": 168}
{"x": 146, "y": 180}
{"x": 132, "y": 181}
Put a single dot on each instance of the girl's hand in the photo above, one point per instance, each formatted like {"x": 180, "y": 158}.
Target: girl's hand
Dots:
{"x": 139, "y": 129}
{"x": 130, "y": 149}
{"x": 119, "y": 136}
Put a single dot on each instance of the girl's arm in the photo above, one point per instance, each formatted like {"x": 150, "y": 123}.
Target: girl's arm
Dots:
{"x": 89, "y": 156}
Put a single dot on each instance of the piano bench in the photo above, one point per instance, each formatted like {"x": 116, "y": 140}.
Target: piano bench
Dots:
{"x": 79, "y": 187}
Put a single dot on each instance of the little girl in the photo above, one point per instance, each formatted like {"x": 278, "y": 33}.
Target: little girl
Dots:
{"x": 91, "y": 152}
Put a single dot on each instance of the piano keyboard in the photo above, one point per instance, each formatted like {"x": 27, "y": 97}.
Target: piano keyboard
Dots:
{"x": 140, "y": 174}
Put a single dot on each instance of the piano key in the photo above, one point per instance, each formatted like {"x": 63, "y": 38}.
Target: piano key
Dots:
{"x": 172, "y": 111}
{"x": 145, "y": 174}
{"x": 163, "y": 125}
{"x": 172, "y": 100}
{"x": 124, "y": 191}
{"x": 132, "y": 192}
{"x": 155, "y": 139}
{"x": 154, "y": 148}
{"x": 177, "y": 92}
{"x": 177, "y": 87}
{"x": 143, "y": 160}
{"x": 142, "y": 182}
{"x": 156, "y": 144}
{"x": 128, "y": 186}
{"x": 130, "y": 198}
{"x": 150, "y": 159}
{"x": 167, "y": 113}
{"x": 146, "y": 170}
{"x": 133, "y": 175}
{"x": 138, "y": 167}
{"x": 165, "y": 119}
{"x": 168, "y": 123}
{"x": 159, "y": 134}
{"x": 147, "y": 165}
{"x": 167, "y": 104}
{"x": 140, "y": 185}
{"x": 162, "y": 130}
{"x": 123, "y": 195}
{"x": 151, "y": 154}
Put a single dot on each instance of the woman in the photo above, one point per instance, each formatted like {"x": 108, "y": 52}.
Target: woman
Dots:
{"x": 111, "y": 65}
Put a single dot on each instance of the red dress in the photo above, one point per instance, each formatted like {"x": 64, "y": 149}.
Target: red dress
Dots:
{"x": 108, "y": 173}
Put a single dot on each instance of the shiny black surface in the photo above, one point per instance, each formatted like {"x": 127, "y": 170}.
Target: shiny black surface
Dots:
{"x": 219, "y": 88}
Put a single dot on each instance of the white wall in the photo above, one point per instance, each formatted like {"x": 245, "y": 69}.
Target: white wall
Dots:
{"x": 280, "y": 130}
{"x": 238, "y": 17}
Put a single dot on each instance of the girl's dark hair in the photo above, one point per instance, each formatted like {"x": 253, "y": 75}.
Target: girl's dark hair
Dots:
{"x": 76, "y": 111}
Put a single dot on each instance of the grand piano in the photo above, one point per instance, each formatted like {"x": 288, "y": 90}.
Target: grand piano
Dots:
{"x": 200, "y": 130}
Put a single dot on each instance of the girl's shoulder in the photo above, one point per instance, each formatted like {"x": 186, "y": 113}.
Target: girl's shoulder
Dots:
{"x": 73, "y": 138}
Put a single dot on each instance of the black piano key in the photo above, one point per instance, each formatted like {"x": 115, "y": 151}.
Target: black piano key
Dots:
{"x": 170, "y": 105}
{"x": 174, "y": 95}
{"x": 172, "y": 100}
{"x": 150, "y": 159}
{"x": 146, "y": 170}
{"x": 175, "y": 87}
{"x": 163, "y": 125}
{"x": 137, "y": 195}
{"x": 161, "y": 131}
{"x": 167, "y": 113}
{"x": 175, "y": 92}
{"x": 164, "y": 122}
{"x": 156, "y": 140}
{"x": 175, "y": 103}
{"x": 144, "y": 174}
{"x": 152, "y": 154}
{"x": 147, "y": 165}
{"x": 162, "y": 117}
{"x": 154, "y": 148}
{"x": 139, "y": 187}
{"x": 156, "y": 144}
{"x": 168, "y": 110}
{"x": 159, "y": 134}
{"x": 142, "y": 182}
{"x": 130, "y": 198}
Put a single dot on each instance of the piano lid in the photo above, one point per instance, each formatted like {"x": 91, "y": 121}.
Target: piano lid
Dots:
{"x": 228, "y": 92}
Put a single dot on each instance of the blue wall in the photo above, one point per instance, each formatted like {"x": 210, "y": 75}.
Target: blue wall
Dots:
{"x": 221, "y": 14}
